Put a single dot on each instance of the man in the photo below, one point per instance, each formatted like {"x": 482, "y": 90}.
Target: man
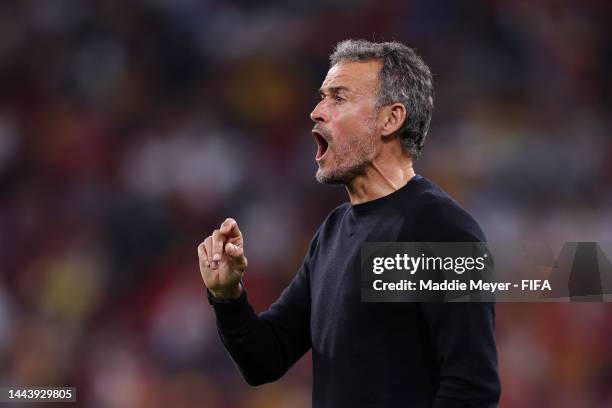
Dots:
{"x": 375, "y": 109}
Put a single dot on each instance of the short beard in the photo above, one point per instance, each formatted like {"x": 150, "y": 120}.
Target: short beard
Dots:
{"x": 363, "y": 153}
{"x": 344, "y": 175}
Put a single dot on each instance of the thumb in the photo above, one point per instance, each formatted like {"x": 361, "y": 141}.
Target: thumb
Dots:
{"x": 234, "y": 250}
{"x": 236, "y": 253}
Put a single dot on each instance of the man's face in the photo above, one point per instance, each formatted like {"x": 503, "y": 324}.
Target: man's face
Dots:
{"x": 345, "y": 121}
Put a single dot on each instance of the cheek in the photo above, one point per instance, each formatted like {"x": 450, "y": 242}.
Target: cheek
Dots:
{"x": 344, "y": 137}
{"x": 338, "y": 126}
{"x": 351, "y": 126}
{"x": 347, "y": 126}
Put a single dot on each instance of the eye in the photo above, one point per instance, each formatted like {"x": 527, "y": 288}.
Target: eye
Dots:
{"x": 338, "y": 99}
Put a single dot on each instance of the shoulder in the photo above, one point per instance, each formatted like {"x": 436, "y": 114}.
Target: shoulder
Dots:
{"x": 329, "y": 224}
{"x": 325, "y": 230}
{"x": 439, "y": 218}
{"x": 334, "y": 218}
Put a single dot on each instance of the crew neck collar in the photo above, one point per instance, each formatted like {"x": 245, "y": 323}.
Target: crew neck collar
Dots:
{"x": 362, "y": 208}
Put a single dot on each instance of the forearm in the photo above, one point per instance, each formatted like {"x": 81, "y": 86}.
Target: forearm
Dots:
{"x": 442, "y": 402}
{"x": 253, "y": 342}
{"x": 464, "y": 340}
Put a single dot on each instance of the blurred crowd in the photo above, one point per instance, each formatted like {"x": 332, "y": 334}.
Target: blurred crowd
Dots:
{"x": 130, "y": 130}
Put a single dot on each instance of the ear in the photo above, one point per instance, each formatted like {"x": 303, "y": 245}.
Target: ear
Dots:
{"x": 393, "y": 117}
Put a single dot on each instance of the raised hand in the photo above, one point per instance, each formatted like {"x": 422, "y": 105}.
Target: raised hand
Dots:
{"x": 222, "y": 260}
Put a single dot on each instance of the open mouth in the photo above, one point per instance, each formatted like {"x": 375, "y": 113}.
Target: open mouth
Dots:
{"x": 322, "y": 145}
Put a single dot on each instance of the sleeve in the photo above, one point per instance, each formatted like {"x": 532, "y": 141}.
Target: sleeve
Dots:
{"x": 265, "y": 346}
{"x": 464, "y": 341}
{"x": 462, "y": 333}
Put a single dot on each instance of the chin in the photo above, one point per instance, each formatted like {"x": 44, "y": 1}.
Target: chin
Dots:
{"x": 343, "y": 173}
{"x": 327, "y": 177}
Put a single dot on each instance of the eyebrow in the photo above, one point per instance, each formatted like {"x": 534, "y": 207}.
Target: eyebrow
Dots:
{"x": 332, "y": 90}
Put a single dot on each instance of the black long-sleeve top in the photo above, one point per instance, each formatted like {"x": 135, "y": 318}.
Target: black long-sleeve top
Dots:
{"x": 372, "y": 354}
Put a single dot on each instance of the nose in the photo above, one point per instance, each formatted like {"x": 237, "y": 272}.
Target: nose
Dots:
{"x": 319, "y": 113}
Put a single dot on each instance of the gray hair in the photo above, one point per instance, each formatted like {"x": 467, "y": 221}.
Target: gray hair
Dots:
{"x": 404, "y": 78}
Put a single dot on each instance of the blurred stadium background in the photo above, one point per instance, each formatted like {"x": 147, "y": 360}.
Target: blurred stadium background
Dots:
{"x": 129, "y": 130}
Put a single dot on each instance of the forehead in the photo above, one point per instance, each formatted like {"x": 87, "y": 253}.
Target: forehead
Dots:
{"x": 355, "y": 75}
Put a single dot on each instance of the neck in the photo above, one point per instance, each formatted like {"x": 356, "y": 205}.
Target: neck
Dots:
{"x": 381, "y": 178}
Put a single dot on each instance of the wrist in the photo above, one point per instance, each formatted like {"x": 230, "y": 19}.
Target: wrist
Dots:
{"x": 228, "y": 294}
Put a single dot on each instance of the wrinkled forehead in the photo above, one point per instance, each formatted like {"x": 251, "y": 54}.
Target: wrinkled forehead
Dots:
{"x": 355, "y": 76}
